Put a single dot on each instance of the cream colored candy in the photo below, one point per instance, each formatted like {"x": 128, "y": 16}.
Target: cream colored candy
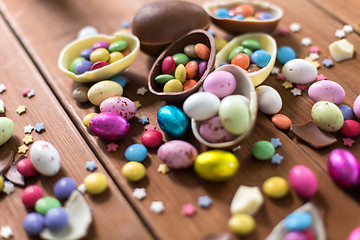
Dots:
{"x": 341, "y": 50}
{"x": 103, "y": 90}
{"x": 2, "y": 106}
{"x": 246, "y": 200}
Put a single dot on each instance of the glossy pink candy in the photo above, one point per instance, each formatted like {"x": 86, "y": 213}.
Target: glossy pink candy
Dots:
{"x": 355, "y": 234}
{"x": 109, "y": 126}
{"x": 168, "y": 65}
{"x": 303, "y": 180}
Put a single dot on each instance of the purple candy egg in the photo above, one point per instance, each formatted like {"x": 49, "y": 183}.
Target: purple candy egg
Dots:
{"x": 56, "y": 219}
{"x": 202, "y": 68}
{"x": 168, "y": 65}
{"x": 85, "y": 53}
{"x": 83, "y": 66}
{"x": 109, "y": 126}
{"x": 265, "y": 16}
{"x": 100, "y": 44}
{"x": 34, "y": 223}
{"x": 343, "y": 168}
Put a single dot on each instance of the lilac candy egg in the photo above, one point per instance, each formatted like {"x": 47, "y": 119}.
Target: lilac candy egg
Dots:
{"x": 326, "y": 90}
{"x": 303, "y": 180}
{"x": 343, "y": 168}
{"x": 177, "y": 154}
{"x": 347, "y": 112}
{"x": 213, "y": 131}
{"x": 220, "y": 83}
{"x": 355, "y": 234}
{"x": 109, "y": 126}
{"x": 83, "y": 66}
{"x": 119, "y": 105}
{"x": 356, "y": 107}
{"x": 85, "y": 53}
{"x": 202, "y": 68}
{"x": 100, "y": 44}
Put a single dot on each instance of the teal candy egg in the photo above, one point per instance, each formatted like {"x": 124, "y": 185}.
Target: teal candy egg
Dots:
{"x": 173, "y": 121}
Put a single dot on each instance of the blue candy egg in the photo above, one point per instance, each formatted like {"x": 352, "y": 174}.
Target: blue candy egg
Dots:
{"x": 238, "y": 17}
{"x": 261, "y": 58}
{"x": 298, "y": 221}
{"x": 120, "y": 80}
{"x": 136, "y": 152}
{"x": 83, "y": 67}
{"x": 56, "y": 219}
{"x": 265, "y": 16}
{"x": 222, "y": 13}
{"x": 173, "y": 121}
{"x": 285, "y": 54}
{"x": 34, "y": 223}
{"x": 64, "y": 187}
{"x": 347, "y": 112}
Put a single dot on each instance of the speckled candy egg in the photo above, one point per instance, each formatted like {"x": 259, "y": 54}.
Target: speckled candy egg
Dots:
{"x": 109, "y": 126}
{"x": 213, "y": 131}
{"x": 103, "y": 90}
{"x": 201, "y": 105}
{"x": 45, "y": 158}
{"x": 173, "y": 121}
{"x": 220, "y": 83}
{"x": 119, "y": 105}
{"x": 326, "y": 90}
{"x": 269, "y": 100}
{"x": 356, "y": 107}
{"x": 299, "y": 71}
{"x": 343, "y": 168}
{"x": 6, "y": 129}
{"x": 327, "y": 116}
{"x": 303, "y": 180}
{"x": 177, "y": 154}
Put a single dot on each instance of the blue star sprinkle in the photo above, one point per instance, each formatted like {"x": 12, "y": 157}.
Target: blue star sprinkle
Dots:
{"x": 328, "y": 62}
{"x": 91, "y": 165}
{"x": 39, "y": 127}
{"x": 276, "y": 158}
{"x": 204, "y": 201}
{"x": 275, "y": 142}
{"x": 125, "y": 24}
{"x": 144, "y": 120}
{"x": 211, "y": 31}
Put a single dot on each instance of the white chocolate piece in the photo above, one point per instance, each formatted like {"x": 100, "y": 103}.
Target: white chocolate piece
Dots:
{"x": 246, "y": 200}
{"x": 341, "y": 50}
{"x": 2, "y": 106}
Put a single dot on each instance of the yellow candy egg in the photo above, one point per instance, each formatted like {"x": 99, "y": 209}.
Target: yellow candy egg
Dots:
{"x": 103, "y": 90}
{"x": 115, "y": 56}
{"x": 1, "y": 183}
{"x": 219, "y": 43}
{"x": 276, "y": 187}
{"x": 87, "y": 119}
{"x": 100, "y": 54}
{"x": 95, "y": 183}
{"x": 241, "y": 224}
{"x": 134, "y": 171}
{"x": 180, "y": 73}
{"x": 173, "y": 85}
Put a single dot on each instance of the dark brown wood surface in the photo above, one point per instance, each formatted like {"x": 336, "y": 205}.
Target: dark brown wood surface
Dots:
{"x": 43, "y": 28}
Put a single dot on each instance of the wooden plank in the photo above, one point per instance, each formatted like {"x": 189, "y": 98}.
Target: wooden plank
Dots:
{"x": 18, "y": 73}
{"x": 180, "y": 187}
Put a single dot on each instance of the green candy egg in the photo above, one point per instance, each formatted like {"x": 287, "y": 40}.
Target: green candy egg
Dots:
{"x": 6, "y": 129}
{"x": 216, "y": 165}
{"x": 235, "y": 51}
{"x": 45, "y": 204}
{"x": 263, "y": 150}
{"x": 250, "y": 44}
{"x": 118, "y": 46}
{"x": 180, "y": 58}
{"x": 327, "y": 116}
{"x": 75, "y": 62}
{"x": 163, "y": 78}
{"x": 247, "y": 52}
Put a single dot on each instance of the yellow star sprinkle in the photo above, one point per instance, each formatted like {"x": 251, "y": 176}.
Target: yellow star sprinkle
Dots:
{"x": 315, "y": 63}
{"x": 21, "y": 109}
{"x": 287, "y": 84}
{"x": 163, "y": 168}
{"x": 137, "y": 104}
{"x": 27, "y": 139}
{"x": 23, "y": 149}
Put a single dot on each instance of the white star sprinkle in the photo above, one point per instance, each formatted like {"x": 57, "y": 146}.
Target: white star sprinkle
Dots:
{"x": 81, "y": 188}
{"x": 31, "y": 93}
{"x": 340, "y": 33}
{"x": 347, "y": 29}
{"x": 314, "y": 56}
{"x": 87, "y": 31}
{"x": 296, "y": 92}
{"x": 8, "y": 187}
{"x": 6, "y": 232}
{"x": 157, "y": 207}
{"x": 275, "y": 70}
{"x": 141, "y": 91}
{"x": 139, "y": 193}
{"x": 28, "y": 129}
{"x": 236, "y": 148}
{"x": 295, "y": 27}
{"x": 2, "y": 106}
{"x": 2, "y": 88}
{"x": 306, "y": 41}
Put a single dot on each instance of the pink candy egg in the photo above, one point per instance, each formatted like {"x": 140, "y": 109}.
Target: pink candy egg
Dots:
{"x": 343, "y": 168}
{"x": 119, "y": 105}
{"x": 303, "y": 180}
{"x": 168, "y": 65}
{"x": 30, "y": 195}
{"x": 213, "y": 131}
{"x": 220, "y": 83}
{"x": 109, "y": 126}
{"x": 356, "y": 106}
{"x": 326, "y": 90}
{"x": 151, "y": 138}
{"x": 26, "y": 168}
{"x": 355, "y": 234}
{"x": 177, "y": 154}
{"x": 350, "y": 128}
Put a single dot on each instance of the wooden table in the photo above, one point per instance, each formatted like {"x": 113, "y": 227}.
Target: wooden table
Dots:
{"x": 33, "y": 32}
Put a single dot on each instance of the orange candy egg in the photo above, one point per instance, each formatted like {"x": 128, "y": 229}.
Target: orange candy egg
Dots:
{"x": 191, "y": 69}
{"x": 242, "y": 60}
{"x": 245, "y": 9}
{"x": 281, "y": 121}
{"x": 202, "y": 51}
{"x": 189, "y": 84}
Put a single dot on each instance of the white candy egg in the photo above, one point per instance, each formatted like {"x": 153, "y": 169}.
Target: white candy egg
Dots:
{"x": 45, "y": 158}
{"x": 299, "y": 71}
{"x": 201, "y": 105}
{"x": 269, "y": 100}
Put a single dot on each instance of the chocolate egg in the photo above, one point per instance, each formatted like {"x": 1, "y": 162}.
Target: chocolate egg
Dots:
{"x": 160, "y": 23}
{"x": 109, "y": 126}
{"x": 173, "y": 121}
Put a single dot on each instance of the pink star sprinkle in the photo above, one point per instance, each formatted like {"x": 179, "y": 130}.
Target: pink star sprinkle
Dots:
{"x": 301, "y": 86}
{"x": 111, "y": 147}
{"x": 320, "y": 77}
{"x": 314, "y": 49}
{"x": 188, "y": 210}
{"x": 280, "y": 76}
{"x": 348, "y": 142}
{"x": 25, "y": 92}
{"x": 283, "y": 31}
{"x": 150, "y": 127}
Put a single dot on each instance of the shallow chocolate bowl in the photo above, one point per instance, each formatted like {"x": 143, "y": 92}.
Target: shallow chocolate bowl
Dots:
{"x": 244, "y": 26}
{"x": 193, "y": 37}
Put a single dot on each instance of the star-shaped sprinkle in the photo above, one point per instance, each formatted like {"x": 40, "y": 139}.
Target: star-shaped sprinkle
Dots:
{"x": 276, "y": 158}
{"x": 287, "y": 85}
{"x": 320, "y": 77}
{"x": 141, "y": 91}
{"x": 81, "y": 188}
{"x": 348, "y": 142}
{"x": 314, "y": 49}
{"x": 91, "y": 165}
{"x": 327, "y": 62}
{"x": 25, "y": 92}
{"x": 144, "y": 120}
{"x": 28, "y": 129}
{"x": 280, "y": 76}
{"x": 296, "y": 92}
{"x": 347, "y": 28}
{"x": 340, "y": 33}
{"x": 314, "y": 56}
{"x": 31, "y": 93}
{"x": 39, "y": 127}
{"x": 137, "y": 104}
{"x": 139, "y": 193}
{"x": 125, "y": 24}
{"x": 163, "y": 168}
{"x": 150, "y": 127}
{"x": 6, "y": 232}
{"x": 21, "y": 109}
{"x": 275, "y": 70}
{"x": 27, "y": 139}
{"x": 295, "y": 27}
{"x": 188, "y": 209}
{"x": 283, "y": 31}
{"x": 236, "y": 148}
{"x": 211, "y": 31}
{"x": 2, "y": 88}
{"x": 275, "y": 142}
{"x": 111, "y": 147}
{"x": 306, "y": 41}
{"x": 301, "y": 86}
{"x": 157, "y": 207}
{"x": 8, "y": 187}
{"x": 204, "y": 201}
{"x": 2, "y": 106}
{"x": 315, "y": 63}
{"x": 23, "y": 149}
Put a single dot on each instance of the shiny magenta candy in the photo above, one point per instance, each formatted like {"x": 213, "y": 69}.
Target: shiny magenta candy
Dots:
{"x": 343, "y": 168}
{"x": 109, "y": 126}
{"x": 303, "y": 180}
{"x": 31, "y": 194}
{"x": 168, "y": 65}
{"x": 151, "y": 138}
{"x": 26, "y": 168}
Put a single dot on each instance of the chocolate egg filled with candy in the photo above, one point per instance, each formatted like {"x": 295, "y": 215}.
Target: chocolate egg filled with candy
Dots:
{"x": 109, "y": 126}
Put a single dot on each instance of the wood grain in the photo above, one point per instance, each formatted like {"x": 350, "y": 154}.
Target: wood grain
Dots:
{"x": 181, "y": 187}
